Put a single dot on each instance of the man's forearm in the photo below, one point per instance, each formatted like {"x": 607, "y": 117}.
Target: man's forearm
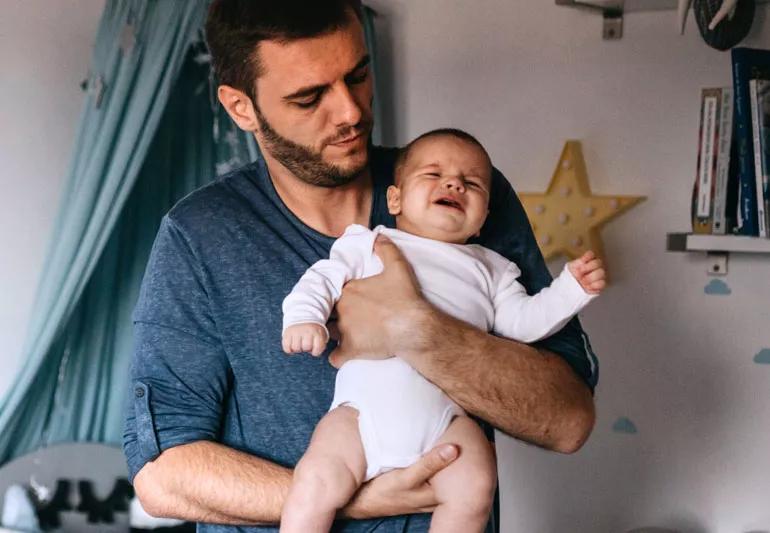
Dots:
{"x": 209, "y": 482}
{"x": 530, "y": 394}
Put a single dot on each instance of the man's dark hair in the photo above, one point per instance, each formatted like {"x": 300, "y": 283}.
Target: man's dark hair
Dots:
{"x": 403, "y": 154}
{"x": 234, "y": 28}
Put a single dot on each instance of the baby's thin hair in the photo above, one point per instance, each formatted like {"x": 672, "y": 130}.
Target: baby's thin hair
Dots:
{"x": 403, "y": 153}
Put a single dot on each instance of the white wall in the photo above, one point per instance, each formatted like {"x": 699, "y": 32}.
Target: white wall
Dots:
{"x": 525, "y": 76}
{"x": 45, "y": 51}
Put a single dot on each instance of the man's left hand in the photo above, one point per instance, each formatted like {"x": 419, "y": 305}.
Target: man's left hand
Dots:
{"x": 377, "y": 315}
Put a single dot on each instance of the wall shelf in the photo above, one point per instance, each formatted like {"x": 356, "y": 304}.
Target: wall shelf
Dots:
{"x": 613, "y": 10}
{"x": 690, "y": 242}
{"x": 717, "y": 247}
{"x": 627, "y": 6}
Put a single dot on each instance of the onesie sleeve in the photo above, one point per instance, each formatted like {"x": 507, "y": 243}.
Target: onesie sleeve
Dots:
{"x": 507, "y": 231}
{"x": 526, "y": 318}
{"x": 317, "y": 291}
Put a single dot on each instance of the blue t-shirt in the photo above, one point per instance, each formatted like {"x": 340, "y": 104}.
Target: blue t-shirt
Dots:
{"x": 208, "y": 363}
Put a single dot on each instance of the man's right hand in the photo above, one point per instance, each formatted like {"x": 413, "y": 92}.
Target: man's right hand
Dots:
{"x": 401, "y": 491}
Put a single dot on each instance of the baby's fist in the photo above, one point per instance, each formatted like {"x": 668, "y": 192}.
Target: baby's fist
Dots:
{"x": 589, "y": 272}
{"x": 305, "y": 338}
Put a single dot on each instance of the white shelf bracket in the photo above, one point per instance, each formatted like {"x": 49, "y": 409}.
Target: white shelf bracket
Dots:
{"x": 612, "y": 28}
{"x": 717, "y": 263}
{"x": 612, "y": 15}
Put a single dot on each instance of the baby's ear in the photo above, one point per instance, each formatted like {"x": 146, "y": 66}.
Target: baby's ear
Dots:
{"x": 394, "y": 200}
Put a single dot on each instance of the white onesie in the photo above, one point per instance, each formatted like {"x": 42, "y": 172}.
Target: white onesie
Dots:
{"x": 401, "y": 414}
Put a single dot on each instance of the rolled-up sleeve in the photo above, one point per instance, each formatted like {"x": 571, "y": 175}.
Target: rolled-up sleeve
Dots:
{"x": 179, "y": 372}
{"x": 508, "y": 232}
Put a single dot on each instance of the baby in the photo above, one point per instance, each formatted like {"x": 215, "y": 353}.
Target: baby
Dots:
{"x": 385, "y": 415}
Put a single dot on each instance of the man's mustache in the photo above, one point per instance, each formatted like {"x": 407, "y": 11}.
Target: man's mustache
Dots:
{"x": 364, "y": 126}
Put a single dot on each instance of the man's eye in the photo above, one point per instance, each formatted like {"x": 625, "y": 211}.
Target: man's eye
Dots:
{"x": 359, "y": 77}
{"x": 309, "y": 102}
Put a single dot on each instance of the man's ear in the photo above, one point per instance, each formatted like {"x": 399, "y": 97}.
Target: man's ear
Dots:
{"x": 239, "y": 106}
{"x": 394, "y": 200}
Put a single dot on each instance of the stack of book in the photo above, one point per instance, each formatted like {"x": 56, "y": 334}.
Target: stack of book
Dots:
{"x": 731, "y": 194}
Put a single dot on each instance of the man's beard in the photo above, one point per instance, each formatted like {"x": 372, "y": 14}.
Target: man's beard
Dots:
{"x": 306, "y": 164}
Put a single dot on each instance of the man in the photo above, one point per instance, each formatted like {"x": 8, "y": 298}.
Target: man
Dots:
{"x": 218, "y": 415}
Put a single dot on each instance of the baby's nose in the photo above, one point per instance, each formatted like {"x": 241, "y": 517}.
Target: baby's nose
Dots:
{"x": 454, "y": 183}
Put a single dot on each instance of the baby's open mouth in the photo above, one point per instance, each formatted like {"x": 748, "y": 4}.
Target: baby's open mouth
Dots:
{"x": 449, "y": 202}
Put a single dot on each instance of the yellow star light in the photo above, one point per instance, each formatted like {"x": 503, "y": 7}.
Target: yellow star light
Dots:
{"x": 567, "y": 218}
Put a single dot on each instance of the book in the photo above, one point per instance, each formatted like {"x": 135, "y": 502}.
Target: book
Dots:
{"x": 762, "y": 147}
{"x": 756, "y": 120}
{"x": 703, "y": 190}
{"x": 747, "y": 64}
{"x": 724, "y": 187}
{"x": 731, "y": 208}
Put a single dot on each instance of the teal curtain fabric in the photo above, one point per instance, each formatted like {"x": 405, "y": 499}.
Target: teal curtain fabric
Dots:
{"x": 151, "y": 132}
{"x": 139, "y": 51}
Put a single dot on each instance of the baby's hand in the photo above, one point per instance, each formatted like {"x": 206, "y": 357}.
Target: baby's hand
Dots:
{"x": 589, "y": 272}
{"x": 305, "y": 338}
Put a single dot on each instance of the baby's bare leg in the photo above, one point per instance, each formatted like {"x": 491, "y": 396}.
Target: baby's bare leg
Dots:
{"x": 327, "y": 476}
{"x": 466, "y": 488}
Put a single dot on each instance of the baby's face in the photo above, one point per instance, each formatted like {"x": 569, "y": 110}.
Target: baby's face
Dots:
{"x": 443, "y": 190}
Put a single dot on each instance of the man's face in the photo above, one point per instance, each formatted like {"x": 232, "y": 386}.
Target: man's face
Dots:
{"x": 314, "y": 105}
{"x": 443, "y": 189}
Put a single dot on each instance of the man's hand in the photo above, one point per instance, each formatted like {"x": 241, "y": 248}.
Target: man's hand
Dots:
{"x": 589, "y": 272}
{"x": 374, "y": 313}
{"x": 401, "y": 491}
{"x": 307, "y": 337}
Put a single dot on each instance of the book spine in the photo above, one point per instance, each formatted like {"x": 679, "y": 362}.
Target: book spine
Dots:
{"x": 725, "y": 135}
{"x": 702, "y": 219}
{"x": 763, "y": 101}
{"x": 747, "y": 214}
{"x": 756, "y": 144}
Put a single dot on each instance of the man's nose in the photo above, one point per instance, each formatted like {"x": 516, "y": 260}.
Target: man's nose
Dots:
{"x": 345, "y": 109}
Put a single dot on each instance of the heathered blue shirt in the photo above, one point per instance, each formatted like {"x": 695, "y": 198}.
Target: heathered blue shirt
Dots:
{"x": 208, "y": 363}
